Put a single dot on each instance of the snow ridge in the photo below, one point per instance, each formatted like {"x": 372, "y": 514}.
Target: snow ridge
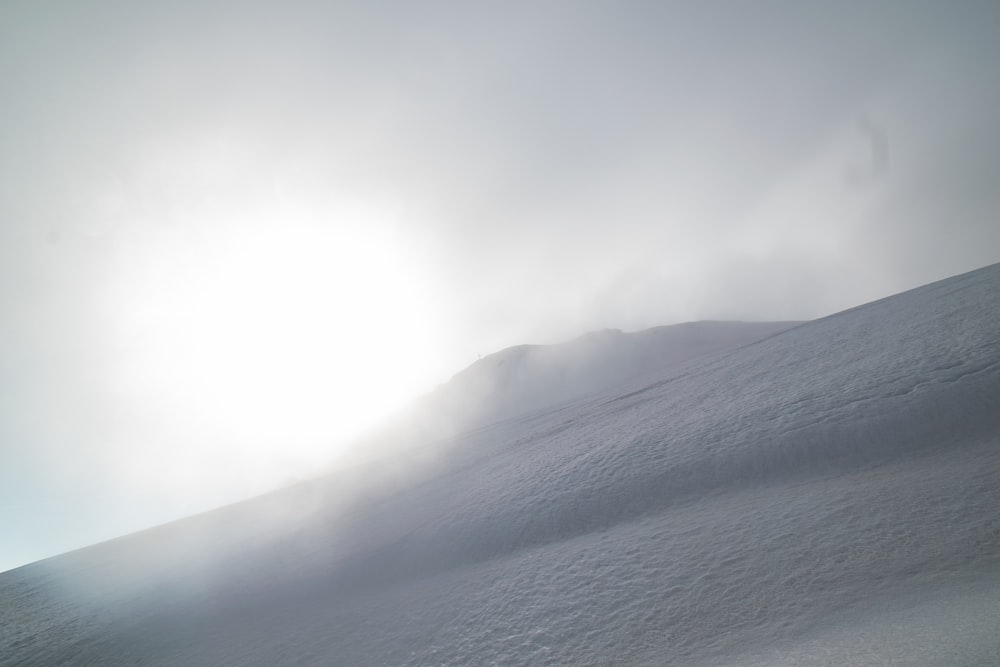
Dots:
{"x": 529, "y": 378}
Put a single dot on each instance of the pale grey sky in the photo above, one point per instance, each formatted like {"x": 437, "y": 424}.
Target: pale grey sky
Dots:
{"x": 234, "y": 232}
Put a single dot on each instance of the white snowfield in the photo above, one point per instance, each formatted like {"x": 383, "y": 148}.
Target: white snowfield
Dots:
{"x": 829, "y": 495}
{"x": 528, "y": 378}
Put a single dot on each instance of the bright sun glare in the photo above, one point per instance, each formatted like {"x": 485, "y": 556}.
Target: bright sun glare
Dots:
{"x": 267, "y": 331}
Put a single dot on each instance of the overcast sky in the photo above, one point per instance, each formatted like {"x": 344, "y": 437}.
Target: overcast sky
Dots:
{"x": 233, "y": 235}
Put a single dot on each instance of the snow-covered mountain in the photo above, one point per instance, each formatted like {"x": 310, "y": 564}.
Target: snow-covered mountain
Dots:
{"x": 824, "y": 496}
{"x": 529, "y": 378}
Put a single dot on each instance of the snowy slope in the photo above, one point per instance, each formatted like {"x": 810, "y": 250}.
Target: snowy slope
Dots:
{"x": 528, "y": 378}
{"x": 825, "y": 496}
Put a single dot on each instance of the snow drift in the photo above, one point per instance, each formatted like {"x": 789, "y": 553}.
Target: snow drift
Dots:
{"x": 827, "y": 495}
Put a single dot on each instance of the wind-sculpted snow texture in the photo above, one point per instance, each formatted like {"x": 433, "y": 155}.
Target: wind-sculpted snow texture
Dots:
{"x": 826, "y": 496}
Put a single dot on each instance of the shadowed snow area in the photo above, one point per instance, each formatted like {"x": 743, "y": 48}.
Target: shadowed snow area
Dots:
{"x": 824, "y": 496}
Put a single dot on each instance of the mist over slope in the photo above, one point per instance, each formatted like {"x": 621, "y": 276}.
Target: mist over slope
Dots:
{"x": 528, "y": 378}
{"x": 823, "y": 496}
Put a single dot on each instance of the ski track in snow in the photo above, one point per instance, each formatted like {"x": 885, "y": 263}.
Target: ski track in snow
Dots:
{"x": 824, "y": 496}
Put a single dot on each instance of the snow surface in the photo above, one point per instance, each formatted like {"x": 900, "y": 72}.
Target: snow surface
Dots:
{"x": 825, "y": 496}
{"x": 528, "y": 378}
